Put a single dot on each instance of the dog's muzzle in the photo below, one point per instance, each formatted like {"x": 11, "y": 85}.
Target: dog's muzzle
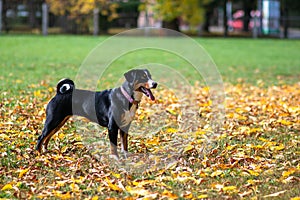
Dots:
{"x": 146, "y": 89}
{"x": 152, "y": 84}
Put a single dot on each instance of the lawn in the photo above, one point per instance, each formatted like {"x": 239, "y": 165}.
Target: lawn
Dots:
{"x": 54, "y": 57}
{"x": 255, "y": 154}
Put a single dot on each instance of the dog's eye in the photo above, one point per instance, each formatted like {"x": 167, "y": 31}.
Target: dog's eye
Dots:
{"x": 145, "y": 76}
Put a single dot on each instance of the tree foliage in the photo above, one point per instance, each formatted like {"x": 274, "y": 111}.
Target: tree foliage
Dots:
{"x": 77, "y": 8}
{"x": 190, "y": 11}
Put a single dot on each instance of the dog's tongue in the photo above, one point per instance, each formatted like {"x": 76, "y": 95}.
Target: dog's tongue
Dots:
{"x": 150, "y": 95}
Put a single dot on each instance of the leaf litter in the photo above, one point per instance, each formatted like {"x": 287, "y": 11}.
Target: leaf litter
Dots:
{"x": 174, "y": 151}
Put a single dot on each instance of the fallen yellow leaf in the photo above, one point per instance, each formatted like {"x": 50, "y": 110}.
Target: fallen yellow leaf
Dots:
{"x": 184, "y": 173}
{"x": 95, "y": 198}
{"x": 289, "y": 172}
{"x": 113, "y": 186}
{"x": 4, "y": 136}
{"x": 171, "y": 130}
{"x": 7, "y": 187}
{"x": 229, "y": 147}
{"x": 69, "y": 158}
{"x": 116, "y": 175}
{"x": 263, "y": 139}
{"x": 284, "y": 122}
{"x": 189, "y": 147}
{"x": 63, "y": 196}
{"x": 251, "y": 182}
{"x": 154, "y": 141}
{"x": 22, "y": 172}
{"x": 216, "y": 173}
{"x": 142, "y": 183}
{"x": 169, "y": 194}
{"x": 229, "y": 189}
{"x": 37, "y": 93}
{"x": 253, "y": 173}
{"x": 61, "y": 136}
{"x": 202, "y": 196}
{"x": 277, "y": 148}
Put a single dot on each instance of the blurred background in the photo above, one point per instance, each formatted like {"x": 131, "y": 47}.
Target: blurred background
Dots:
{"x": 245, "y": 18}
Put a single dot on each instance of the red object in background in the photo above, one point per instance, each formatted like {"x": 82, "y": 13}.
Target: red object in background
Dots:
{"x": 237, "y": 20}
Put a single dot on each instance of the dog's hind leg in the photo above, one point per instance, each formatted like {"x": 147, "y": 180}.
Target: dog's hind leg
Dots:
{"x": 51, "y": 127}
{"x": 54, "y": 131}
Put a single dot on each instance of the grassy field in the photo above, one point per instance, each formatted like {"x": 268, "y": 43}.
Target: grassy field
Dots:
{"x": 31, "y": 59}
{"x": 255, "y": 156}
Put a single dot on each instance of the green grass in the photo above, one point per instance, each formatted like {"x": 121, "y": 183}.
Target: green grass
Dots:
{"x": 26, "y": 60}
{"x": 264, "y": 59}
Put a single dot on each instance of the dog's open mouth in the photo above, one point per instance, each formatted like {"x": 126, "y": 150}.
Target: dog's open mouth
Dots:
{"x": 147, "y": 92}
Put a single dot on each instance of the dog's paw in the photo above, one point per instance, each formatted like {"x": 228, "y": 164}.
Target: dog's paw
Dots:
{"x": 113, "y": 156}
{"x": 125, "y": 154}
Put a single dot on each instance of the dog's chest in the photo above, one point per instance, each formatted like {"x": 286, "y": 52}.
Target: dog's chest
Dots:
{"x": 128, "y": 115}
{"x": 137, "y": 96}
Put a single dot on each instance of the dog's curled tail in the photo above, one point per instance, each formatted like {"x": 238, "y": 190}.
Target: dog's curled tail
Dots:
{"x": 65, "y": 86}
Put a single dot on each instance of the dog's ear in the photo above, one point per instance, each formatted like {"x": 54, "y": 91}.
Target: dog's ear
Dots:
{"x": 130, "y": 75}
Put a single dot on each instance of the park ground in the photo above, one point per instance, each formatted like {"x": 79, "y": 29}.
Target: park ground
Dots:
{"x": 254, "y": 156}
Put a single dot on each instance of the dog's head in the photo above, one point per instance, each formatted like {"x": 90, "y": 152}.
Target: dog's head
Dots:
{"x": 141, "y": 81}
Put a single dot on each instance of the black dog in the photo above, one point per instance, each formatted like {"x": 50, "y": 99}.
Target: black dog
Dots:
{"x": 112, "y": 108}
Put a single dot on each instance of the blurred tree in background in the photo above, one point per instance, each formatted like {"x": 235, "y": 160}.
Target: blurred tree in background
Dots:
{"x": 78, "y": 9}
{"x": 170, "y": 12}
{"x": 76, "y": 16}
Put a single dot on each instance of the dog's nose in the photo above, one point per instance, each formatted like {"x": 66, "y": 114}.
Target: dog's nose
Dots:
{"x": 154, "y": 85}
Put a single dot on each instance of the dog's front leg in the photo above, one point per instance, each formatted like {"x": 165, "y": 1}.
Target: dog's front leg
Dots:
{"x": 124, "y": 143}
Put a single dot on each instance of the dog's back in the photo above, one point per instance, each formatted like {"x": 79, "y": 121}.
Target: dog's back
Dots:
{"x": 84, "y": 102}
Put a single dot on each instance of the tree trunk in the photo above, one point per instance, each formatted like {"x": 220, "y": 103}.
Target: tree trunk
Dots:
{"x": 285, "y": 20}
{"x": 1, "y": 16}
{"x": 45, "y": 19}
{"x": 5, "y": 25}
{"x": 104, "y": 24}
{"x": 174, "y": 24}
{"x": 206, "y": 24}
{"x": 32, "y": 20}
{"x": 247, "y": 16}
{"x": 209, "y": 11}
{"x": 225, "y": 19}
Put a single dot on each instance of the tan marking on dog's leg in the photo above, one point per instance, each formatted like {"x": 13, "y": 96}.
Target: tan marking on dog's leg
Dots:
{"x": 121, "y": 138}
{"x": 124, "y": 142}
{"x": 40, "y": 147}
{"x": 48, "y": 137}
{"x": 113, "y": 151}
